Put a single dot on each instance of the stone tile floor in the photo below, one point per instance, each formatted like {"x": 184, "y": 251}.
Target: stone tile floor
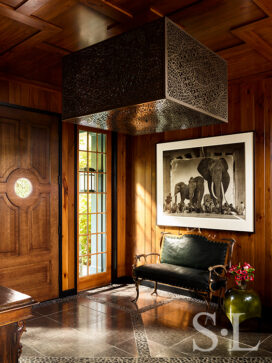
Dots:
{"x": 105, "y": 323}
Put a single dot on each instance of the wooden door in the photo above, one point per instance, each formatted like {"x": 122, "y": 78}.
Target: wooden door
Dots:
{"x": 94, "y": 208}
{"x": 29, "y": 163}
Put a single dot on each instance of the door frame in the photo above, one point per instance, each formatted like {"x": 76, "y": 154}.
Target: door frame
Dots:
{"x": 58, "y": 115}
{"x": 113, "y": 201}
{"x": 114, "y": 206}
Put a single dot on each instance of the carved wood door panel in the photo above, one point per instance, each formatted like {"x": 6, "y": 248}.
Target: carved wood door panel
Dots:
{"x": 29, "y": 202}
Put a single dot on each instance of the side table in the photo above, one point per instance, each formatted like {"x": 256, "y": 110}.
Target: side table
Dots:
{"x": 15, "y": 307}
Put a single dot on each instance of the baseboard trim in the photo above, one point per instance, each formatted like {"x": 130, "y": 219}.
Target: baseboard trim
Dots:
{"x": 123, "y": 280}
{"x": 67, "y": 293}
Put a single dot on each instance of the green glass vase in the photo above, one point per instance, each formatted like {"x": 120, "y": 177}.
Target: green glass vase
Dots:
{"x": 244, "y": 301}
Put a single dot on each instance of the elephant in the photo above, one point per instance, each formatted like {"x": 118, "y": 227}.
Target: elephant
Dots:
{"x": 215, "y": 172}
{"x": 196, "y": 191}
{"x": 193, "y": 191}
{"x": 183, "y": 190}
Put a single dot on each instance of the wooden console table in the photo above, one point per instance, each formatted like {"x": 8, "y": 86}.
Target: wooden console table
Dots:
{"x": 15, "y": 307}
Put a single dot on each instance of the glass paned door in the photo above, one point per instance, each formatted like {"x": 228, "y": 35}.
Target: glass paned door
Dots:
{"x": 94, "y": 210}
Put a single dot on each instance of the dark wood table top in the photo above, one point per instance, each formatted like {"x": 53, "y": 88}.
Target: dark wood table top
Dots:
{"x": 11, "y": 299}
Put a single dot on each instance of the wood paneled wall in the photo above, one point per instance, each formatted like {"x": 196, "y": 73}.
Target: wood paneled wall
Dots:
{"x": 249, "y": 109}
{"x": 29, "y": 94}
{"x": 121, "y": 205}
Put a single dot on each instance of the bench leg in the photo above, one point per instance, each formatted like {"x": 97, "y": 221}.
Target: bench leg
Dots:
{"x": 155, "y": 288}
{"x": 137, "y": 283}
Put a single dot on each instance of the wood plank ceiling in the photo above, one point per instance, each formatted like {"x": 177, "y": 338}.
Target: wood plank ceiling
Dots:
{"x": 36, "y": 34}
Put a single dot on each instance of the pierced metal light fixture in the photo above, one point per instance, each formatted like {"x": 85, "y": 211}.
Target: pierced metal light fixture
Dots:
{"x": 151, "y": 79}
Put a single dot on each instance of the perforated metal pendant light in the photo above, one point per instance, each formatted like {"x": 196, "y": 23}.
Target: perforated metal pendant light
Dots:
{"x": 150, "y": 79}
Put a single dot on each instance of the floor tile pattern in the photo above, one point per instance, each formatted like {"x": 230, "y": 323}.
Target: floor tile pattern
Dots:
{"x": 104, "y": 326}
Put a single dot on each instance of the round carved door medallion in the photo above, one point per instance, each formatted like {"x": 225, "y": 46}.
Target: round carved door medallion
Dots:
{"x": 23, "y": 188}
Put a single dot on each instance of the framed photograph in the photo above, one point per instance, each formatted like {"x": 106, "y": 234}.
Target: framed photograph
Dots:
{"x": 207, "y": 183}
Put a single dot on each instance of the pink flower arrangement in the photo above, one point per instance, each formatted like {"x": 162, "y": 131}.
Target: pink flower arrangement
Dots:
{"x": 242, "y": 273}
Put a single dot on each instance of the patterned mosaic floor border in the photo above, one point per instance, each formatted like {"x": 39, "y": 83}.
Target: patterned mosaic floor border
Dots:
{"x": 148, "y": 360}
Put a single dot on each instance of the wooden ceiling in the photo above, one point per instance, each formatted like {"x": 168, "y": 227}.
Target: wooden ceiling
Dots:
{"x": 36, "y": 34}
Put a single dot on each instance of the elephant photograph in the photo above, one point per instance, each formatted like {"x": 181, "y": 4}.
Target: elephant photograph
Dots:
{"x": 206, "y": 182}
{"x": 215, "y": 172}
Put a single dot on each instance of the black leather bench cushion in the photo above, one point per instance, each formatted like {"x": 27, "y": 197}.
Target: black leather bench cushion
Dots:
{"x": 194, "y": 251}
{"x": 189, "y": 278}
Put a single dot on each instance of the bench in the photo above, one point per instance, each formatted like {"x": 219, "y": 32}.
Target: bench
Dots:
{"x": 188, "y": 261}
